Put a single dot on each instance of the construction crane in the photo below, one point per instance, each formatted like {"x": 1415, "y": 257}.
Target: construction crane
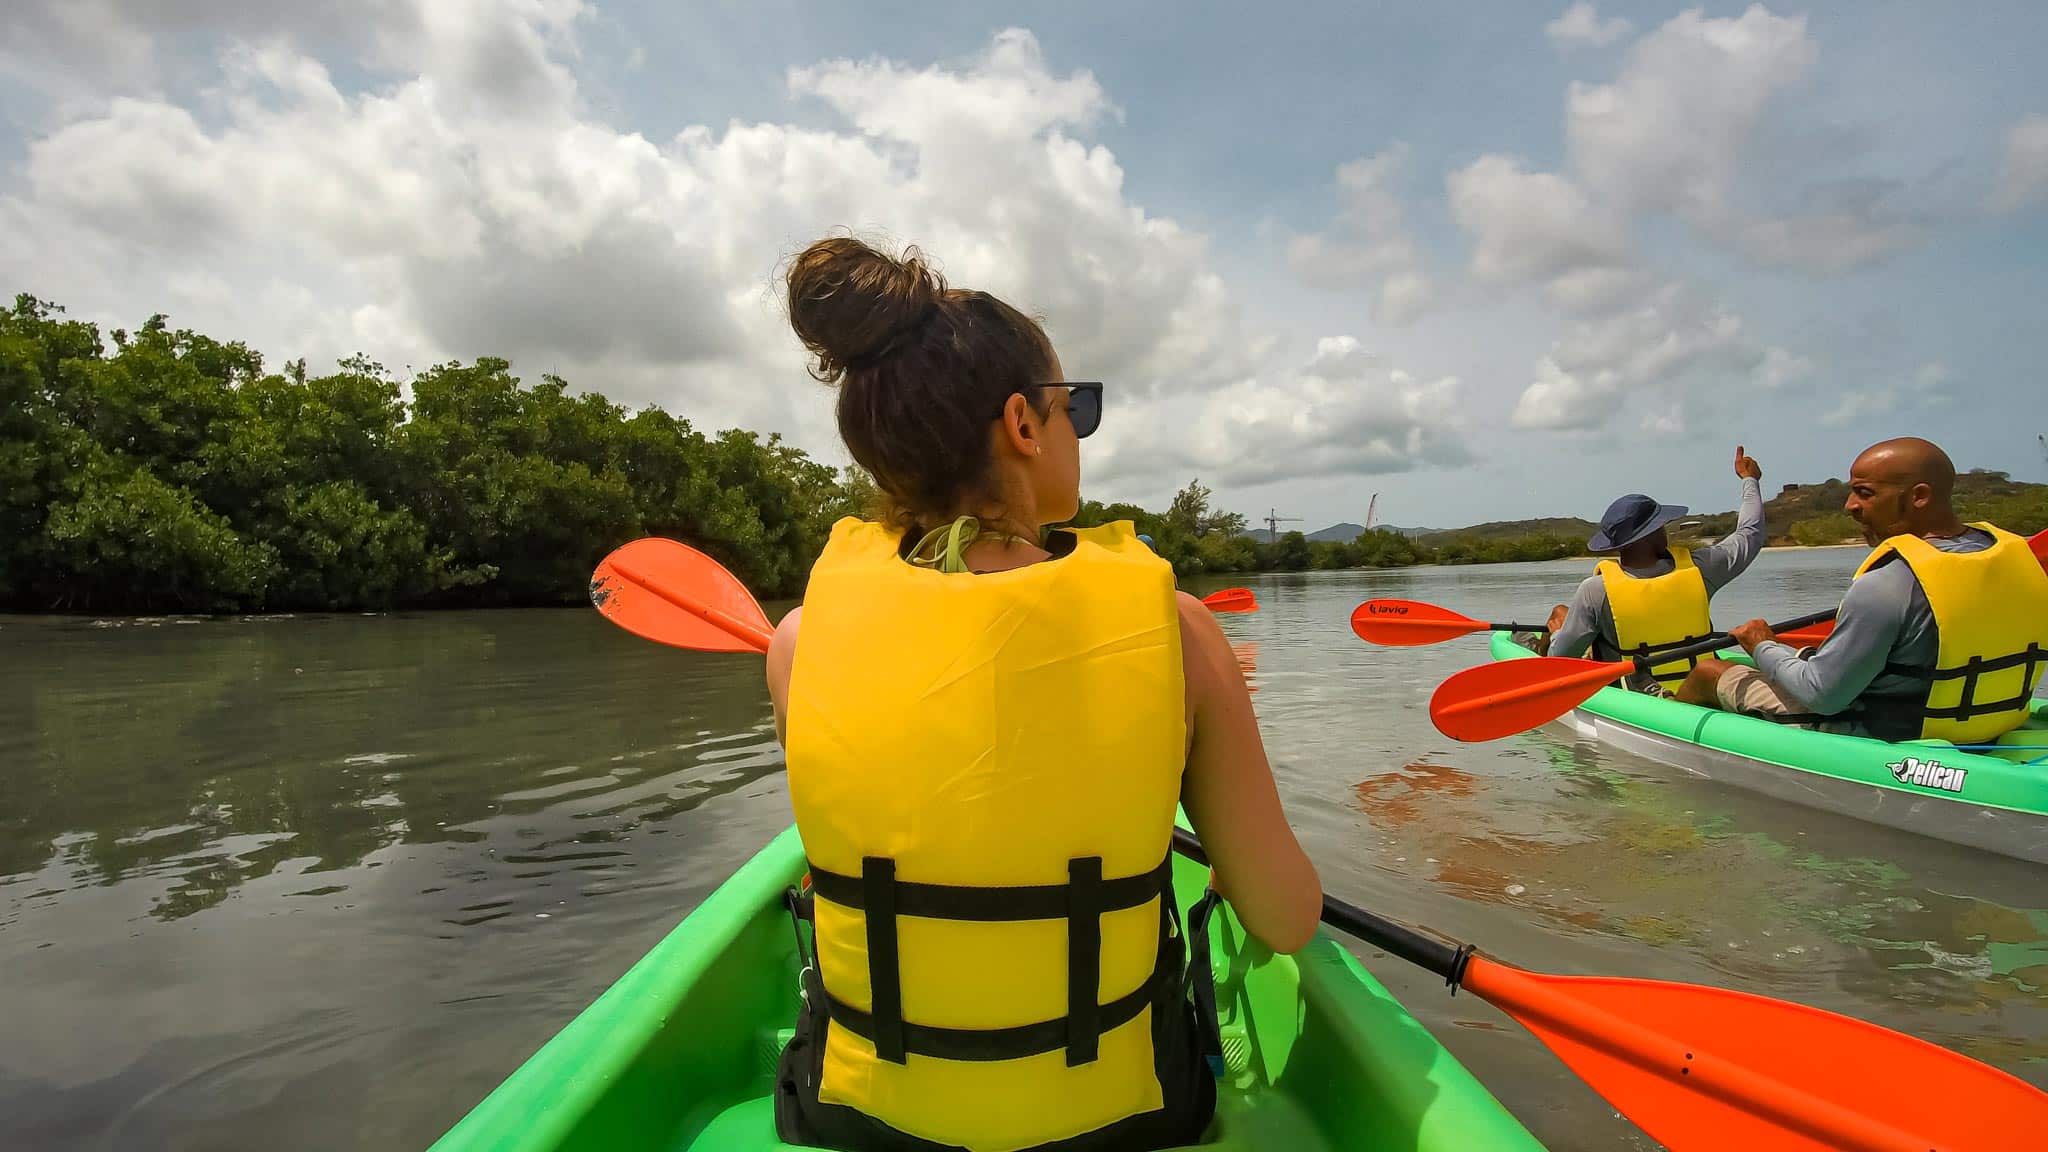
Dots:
{"x": 1273, "y": 522}
{"x": 1371, "y": 508}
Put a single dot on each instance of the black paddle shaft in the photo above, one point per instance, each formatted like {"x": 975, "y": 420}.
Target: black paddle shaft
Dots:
{"x": 1719, "y": 640}
{"x": 1446, "y": 958}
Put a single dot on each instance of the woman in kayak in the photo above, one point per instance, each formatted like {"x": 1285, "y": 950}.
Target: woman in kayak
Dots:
{"x": 988, "y": 728}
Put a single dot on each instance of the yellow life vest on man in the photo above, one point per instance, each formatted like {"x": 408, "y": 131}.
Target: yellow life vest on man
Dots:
{"x": 1657, "y": 612}
{"x": 984, "y": 770}
{"x": 1991, "y": 622}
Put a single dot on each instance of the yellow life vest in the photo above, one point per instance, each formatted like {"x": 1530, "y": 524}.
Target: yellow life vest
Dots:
{"x": 1991, "y": 618}
{"x": 1658, "y": 612}
{"x": 984, "y": 769}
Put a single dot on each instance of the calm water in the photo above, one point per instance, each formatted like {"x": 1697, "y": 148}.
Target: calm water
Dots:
{"x": 321, "y": 882}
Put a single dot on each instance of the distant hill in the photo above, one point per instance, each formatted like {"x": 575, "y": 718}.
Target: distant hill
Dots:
{"x": 1816, "y": 509}
{"x": 1981, "y": 494}
{"x": 1510, "y": 529}
{"x": 1343, "y": 533}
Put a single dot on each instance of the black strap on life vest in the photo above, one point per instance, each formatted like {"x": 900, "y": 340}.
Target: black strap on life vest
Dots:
{"x": 1969, "y": 671}
{"x": 1648, "y": 654}
{"x": 1081, "y": 902}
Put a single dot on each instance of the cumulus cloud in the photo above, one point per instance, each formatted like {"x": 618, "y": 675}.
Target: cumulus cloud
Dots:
{"x": 1781, "y": 367}
{"x": 2023, "y": 174}
{"x": 1533, "y": 226}
{"x": 1668, "y": 133}
{"x": 1346, "y": 411}
{"x": 1927, "y": 388}
{"x": 1368, "y": 245}
{"x": 1581, "y": 24}
{"x": 1673, "y": 336}
{"x": 469, "y": 203}
{"x": 1853, "y": 406}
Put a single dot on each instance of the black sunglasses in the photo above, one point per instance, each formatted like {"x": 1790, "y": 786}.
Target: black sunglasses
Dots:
{"x": 1084, "y": 405}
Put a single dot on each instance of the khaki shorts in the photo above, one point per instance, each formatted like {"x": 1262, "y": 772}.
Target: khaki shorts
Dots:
{"x": 1744, "y": 689}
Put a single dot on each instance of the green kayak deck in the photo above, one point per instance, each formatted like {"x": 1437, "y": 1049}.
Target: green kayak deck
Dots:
{"x": 680, "y": 1052}
{"x": 1994, "y": 798}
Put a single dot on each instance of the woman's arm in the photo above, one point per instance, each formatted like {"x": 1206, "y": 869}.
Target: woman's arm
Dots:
{"x": 1230, "y": 796}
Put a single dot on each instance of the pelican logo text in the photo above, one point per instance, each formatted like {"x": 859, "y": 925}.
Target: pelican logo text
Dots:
{"x": 1928, "y": 774}
{"x": 1387, "y": 609}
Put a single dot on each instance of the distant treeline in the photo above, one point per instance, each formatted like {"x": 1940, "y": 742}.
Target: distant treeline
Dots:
{"x": 163, "y": 470}
{"x": 172, "y": 472}
{"x": 1198, "y": 539}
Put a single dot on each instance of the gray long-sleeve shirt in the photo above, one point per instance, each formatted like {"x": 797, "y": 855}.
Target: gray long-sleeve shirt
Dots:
{"x": 1884, "y": 619}
{"x": 1590, "y": 622}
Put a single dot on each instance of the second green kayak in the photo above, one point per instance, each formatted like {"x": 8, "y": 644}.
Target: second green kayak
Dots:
{"x": 681, "y": 1052}
{"x": 1992, "y": 798}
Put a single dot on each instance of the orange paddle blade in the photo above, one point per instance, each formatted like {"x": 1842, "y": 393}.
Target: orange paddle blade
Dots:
{"x": 1809, "y": 635}
{"x": 671, "y": 593}
{"x": 1410, "y": 623}
{"x": 1501, "y": 699}
{"x": 1232, "y": 600}
{"x": 1709, "y": 1068}
{"x": 2038, "y": 543}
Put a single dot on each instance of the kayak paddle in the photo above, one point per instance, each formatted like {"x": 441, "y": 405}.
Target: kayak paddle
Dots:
{"x": 1661, "y": 1052}
{"x": 1412, "y": 623}
{"x": 1510, "y": 696}
{"x": 668, "y": 592}
{"x": 1711, "y": 1068}
{"x": 1232, "y": 600}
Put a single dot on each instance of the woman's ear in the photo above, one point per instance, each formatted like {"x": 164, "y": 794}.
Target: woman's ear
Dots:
{"x": 1021, "y": 426}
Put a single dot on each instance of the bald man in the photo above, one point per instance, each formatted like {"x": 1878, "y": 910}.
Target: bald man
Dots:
{"x": 1942, "y": 635}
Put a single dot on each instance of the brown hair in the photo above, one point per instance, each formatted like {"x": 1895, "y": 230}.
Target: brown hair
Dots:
{"x": 922, "y": 370}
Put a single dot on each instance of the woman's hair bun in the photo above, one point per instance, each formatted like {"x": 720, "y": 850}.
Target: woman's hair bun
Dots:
{"x": 852, "y": 305}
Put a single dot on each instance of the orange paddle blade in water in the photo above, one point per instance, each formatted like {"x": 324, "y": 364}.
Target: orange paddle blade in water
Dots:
{"x": 1232, "y": 600}
{"x": 1410, "y": 623}
{"x": 1709, "y": 1068}
{"x": 1510, "y": 696}
{"x": 671, "y": 593}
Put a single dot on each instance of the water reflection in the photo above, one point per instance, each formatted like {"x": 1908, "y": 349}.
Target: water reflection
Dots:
{"x": 206, "y": 758}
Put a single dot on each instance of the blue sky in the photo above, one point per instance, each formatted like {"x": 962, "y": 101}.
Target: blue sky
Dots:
{"x": 1506, "y": 261}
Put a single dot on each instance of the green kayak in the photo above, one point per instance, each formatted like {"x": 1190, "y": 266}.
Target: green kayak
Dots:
{"x": 680, "y": 1053}
{"x": 1992, "y": 798}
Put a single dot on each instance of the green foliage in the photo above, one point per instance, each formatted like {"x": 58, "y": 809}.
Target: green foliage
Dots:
{"x": 1833, "y": 528}
{"x": 171, "y": 471}
{"x": 1980, "y": 494}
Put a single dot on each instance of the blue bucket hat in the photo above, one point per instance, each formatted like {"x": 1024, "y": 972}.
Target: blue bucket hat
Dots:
{"x": 1631, "y": 518}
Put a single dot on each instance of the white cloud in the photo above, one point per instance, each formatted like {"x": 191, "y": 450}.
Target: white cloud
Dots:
{"x": 1368, "y": 246}
{"x": 1558, "y": 400}
{"x": 2023, "y": 174}
{"x": 1926, "y": 389}
{"x": 1528, "y": 226}
{"x": 1781, "y": 367}
{"x": 1345, "y": 412}
{"x": 472, "y": 205}
{"x": 1650, "y": 348}
{"x": 1668, "y": 133}
{"x": 1853, "y": 406}
{"x": 1581, "y": 24}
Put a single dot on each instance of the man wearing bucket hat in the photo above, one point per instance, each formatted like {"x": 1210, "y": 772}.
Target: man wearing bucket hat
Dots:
{"x": 1652, "y": 595}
